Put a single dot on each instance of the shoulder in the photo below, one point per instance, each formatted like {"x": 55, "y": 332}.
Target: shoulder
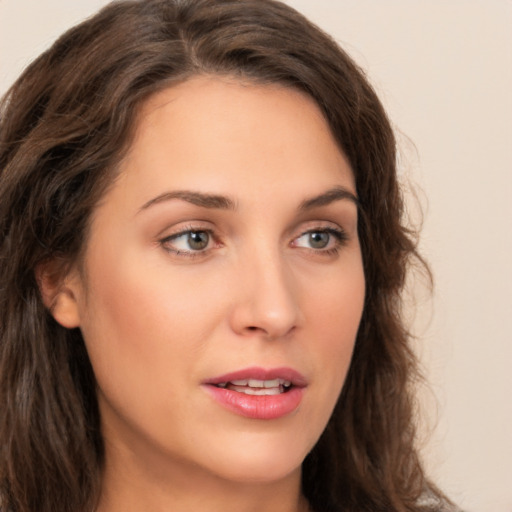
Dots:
{"x": 430, "y": 502}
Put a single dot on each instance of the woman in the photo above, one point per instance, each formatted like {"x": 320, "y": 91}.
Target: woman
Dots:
{"x": 202, "y": 259}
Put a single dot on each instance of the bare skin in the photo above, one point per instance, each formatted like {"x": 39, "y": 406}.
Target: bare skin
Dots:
{"x": 228, "y": 242}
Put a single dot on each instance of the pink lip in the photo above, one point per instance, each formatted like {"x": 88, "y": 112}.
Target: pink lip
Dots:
{"x": 266, "y": 407}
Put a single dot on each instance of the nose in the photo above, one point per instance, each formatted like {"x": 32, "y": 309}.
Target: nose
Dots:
{"x": 266, "y": 300}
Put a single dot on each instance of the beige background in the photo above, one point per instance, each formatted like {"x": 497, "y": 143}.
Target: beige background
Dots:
{"x": 444, "y": 70}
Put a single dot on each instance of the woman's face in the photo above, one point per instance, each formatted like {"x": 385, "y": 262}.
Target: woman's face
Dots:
{"x": 223, "y": 283}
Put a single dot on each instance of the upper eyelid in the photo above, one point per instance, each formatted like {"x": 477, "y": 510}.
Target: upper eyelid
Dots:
{"x": 327, "y": 229}
{"x": 339, "y": 234}
{"x": 166, "y": 244}
{"x": 321, "y": 225}
{"x": 204, "y": 225}
{"x": 184, "y": 227}
{"x": 300, "y": 228}
{"x": 183, "y": 232}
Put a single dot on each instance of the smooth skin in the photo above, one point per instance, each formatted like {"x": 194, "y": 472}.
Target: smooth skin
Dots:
{"x": 229, "y": 240}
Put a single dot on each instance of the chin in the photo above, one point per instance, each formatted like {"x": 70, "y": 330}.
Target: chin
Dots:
{"x": 258, "y": 461}
{"x": 255, "y": 472}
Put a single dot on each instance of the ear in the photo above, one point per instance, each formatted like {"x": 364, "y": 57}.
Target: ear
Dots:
{"x": 60, "y": 293}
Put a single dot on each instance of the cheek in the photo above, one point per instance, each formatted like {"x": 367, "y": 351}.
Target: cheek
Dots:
{"x": 337, "y": 348}
{"x": 143, "y": 337}
{"x": 144, "y": 320}
{"x": 339, "y": 307}
{"x": 334, "y": 316}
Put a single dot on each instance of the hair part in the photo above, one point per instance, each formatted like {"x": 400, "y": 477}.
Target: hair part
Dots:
{"x": 65, "y": 125}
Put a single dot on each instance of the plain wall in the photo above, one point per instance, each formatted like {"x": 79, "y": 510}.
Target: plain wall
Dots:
{"x": 443, "y": 68}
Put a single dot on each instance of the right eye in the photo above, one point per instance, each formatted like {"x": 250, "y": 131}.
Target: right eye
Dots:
{"x": 189, "y": 242}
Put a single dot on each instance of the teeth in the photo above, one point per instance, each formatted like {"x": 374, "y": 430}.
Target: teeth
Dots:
{"x": 255, "y": 383}
{"x": 256, "y": 386}
{"x": 257, "y": 391}
{"x": 242, "y": 382}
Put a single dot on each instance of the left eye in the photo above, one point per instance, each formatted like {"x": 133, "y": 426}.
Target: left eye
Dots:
{"x": 188, "y": 241}
{"x": 320, "y": 239}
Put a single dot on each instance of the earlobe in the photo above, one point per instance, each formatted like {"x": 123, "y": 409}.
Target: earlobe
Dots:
{"x": 60, "y": 295}
{"x": 65, "y": 309}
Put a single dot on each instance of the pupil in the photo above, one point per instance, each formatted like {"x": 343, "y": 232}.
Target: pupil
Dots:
{"x": 198, "y": 240}
{"x": 318, "y": 240}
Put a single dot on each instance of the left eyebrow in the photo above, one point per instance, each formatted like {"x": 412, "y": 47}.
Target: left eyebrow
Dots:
{"x": 328, "y": 197}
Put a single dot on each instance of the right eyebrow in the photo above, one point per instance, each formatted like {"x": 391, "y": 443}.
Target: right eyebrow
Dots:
{"x": 197, "y": 198}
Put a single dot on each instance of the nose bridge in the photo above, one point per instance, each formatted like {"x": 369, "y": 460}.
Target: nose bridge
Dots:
{"x": 268, "y": 301}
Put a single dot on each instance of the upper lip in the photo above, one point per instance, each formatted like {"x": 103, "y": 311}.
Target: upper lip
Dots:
{"x": 257, "y": 373}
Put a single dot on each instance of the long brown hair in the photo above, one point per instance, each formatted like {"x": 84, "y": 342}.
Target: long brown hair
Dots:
{"x": 65, "y": 124}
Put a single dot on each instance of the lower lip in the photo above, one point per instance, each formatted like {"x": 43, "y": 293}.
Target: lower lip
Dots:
{"x": 261, "y": 407}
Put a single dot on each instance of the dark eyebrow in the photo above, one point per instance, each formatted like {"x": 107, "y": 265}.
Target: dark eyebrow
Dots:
{"x": 333, "y": 194}
{"x": 197, "y": 198}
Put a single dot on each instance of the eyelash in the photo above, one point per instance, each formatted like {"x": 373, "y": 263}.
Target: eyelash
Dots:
{"x": 339, "y": 235}
{"x": 187, "y": 253}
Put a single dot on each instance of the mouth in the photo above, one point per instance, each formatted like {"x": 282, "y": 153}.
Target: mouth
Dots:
{"x": 258, "y": 393}
{"x": 257, "y": 387}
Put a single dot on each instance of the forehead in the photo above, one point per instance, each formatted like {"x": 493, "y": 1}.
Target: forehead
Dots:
{"x": 211, "y": 122}
{"x": 222, "y": 136}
